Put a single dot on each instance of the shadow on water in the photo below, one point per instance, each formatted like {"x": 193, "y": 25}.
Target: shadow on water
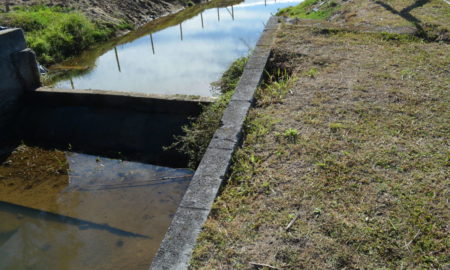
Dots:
{"x": 54, "y": 217}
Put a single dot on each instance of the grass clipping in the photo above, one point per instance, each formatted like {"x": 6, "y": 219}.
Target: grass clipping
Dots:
{"x": 199, "y": 132}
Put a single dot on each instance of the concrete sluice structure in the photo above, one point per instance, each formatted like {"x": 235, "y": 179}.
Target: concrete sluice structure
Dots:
{"x": 112, "y": 209}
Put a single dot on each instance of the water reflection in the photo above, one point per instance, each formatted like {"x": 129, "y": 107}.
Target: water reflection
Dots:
{"x": 189, "y": 55}
{"x": 112, "y": 214}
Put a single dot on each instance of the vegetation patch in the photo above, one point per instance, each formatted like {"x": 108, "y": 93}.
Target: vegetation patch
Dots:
{"x": 311, "y": 9}
{"x": 56, "y": 33}
{"x": 198, "y": 134}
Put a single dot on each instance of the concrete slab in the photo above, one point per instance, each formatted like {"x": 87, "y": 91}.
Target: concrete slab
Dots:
{"x": 11, "y": 41}
{"x": 27, "y": 69}
{"x": 176, "y": 104}
{"x": 266, "y": 38}
{"x": 176, "y": 248}
{"x": 258, "y": 58}
{"x": 250, "y": 80}
{"x": 273, "y": 22}
{"x": 235, "y": 113}
{"x": 224, "y": 144}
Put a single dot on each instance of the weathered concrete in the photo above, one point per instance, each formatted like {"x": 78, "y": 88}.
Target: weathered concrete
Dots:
{"x": 176, "y": 249}
{"x": 176, "y": 104}
{"x": 118, "y": 125}
{"x": 18, "y": 74}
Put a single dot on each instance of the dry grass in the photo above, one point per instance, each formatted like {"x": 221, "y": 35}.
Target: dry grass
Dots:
{"x": 364, "y": 183}
{"x": 429, "y": 17}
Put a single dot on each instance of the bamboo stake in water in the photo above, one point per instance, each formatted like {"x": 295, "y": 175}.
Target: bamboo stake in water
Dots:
{"x": 181, "y": 32}
{"x": 201, "y": 16}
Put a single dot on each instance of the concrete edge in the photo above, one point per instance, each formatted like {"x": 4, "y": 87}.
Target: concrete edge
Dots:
{"x": 152, "y": 103}
{"x": 192, "y": 98}
{"x": 179, "y": 242}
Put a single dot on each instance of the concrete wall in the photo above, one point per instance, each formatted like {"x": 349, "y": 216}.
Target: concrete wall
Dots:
{"x": 18, "y": 74}
{"x": 117, "y": 125}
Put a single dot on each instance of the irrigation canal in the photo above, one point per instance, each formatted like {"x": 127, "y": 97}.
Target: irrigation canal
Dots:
{"x": 110, "y": 213}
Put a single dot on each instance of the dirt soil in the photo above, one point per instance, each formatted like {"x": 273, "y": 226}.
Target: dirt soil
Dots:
{"x": 113, "y": 11}
{"x": 29, "y": 172}
{"x": 345, "y": 165}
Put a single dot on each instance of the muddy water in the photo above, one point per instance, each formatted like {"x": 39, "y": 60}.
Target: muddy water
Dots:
{"x": 109, "y": 214}
{"x": 180, "y": 56}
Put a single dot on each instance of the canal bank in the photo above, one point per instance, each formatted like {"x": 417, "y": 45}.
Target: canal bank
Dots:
{"x": 346, "y": 167}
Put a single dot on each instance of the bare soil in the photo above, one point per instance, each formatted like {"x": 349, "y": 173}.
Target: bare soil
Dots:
{"x": 113, "y": 11}
{"x": 349, "y": 170}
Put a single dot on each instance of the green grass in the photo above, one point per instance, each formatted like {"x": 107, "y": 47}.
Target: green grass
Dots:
{"x": 199, "y": 132}
{"x": 56, "y": 33}
{"x": 308, "y": 10}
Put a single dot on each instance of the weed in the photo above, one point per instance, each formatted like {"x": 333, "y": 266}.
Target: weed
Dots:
{"x": 311, "y": 73}
{"x": 291, "y": 135}
{"x": 199, "y": 132}
{"x": 275, "y": 88}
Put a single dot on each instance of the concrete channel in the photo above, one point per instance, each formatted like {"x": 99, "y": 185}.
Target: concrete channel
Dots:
{"x": 136, "y": 125}
{"x": 176, "y": 249}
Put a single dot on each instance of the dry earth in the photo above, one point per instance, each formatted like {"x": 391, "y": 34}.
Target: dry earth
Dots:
{"x": 137, "y": 12}
{"x": 345, "y": 165}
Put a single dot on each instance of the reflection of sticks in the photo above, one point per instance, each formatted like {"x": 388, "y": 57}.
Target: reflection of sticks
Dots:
{"x": 153, "y": 46}
{"x": 218, "y": 15}
{"x": 232, "y": 12}
{"x": 117, "y": 58}
{"x": 71, "y": 83}
{"x": 246, "y": 44}
{"x": 201, "y": 16}
{"x": 181, "y": 32}
{"x": 135, "y": 183}
{"x": 54, "y": 217}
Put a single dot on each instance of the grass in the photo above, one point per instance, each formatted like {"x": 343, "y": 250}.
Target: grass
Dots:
{"x": 310, "y": 9}
{"x": 364, "y": 183}
{"x": 56, "y": 33}
{"x": 198, "y": 134}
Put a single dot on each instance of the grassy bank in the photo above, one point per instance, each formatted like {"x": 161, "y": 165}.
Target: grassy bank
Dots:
{"x": 311, "y": 9}
{"x": 198, "y": 134}
{"x": 345, "y": 162}
{"x": 56, "y": 33}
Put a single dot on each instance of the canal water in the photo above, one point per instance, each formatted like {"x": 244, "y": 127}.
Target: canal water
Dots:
{"x": 108, "y": 214}
{"x": 183, "y": 58}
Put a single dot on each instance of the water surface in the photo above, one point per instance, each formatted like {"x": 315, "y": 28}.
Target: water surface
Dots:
{"x": 110, "y": 214}
{"x": 181, "y": 59}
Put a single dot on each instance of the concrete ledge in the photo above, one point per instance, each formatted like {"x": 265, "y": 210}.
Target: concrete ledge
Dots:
{"x": 177, "y": 104}
{"x": 11, "y": 41}
{"x": 179, "y": 242}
